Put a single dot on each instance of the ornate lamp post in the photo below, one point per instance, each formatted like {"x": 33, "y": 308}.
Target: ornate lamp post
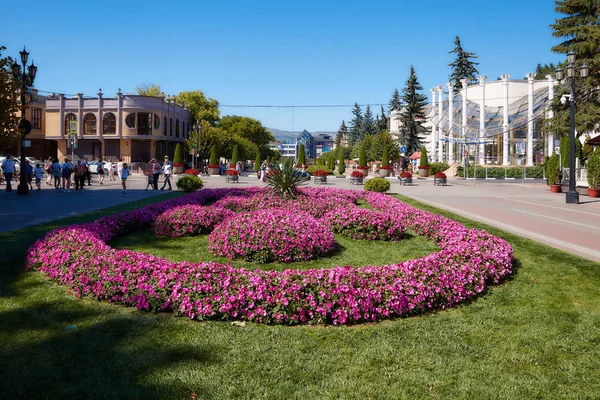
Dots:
{"x": 572, "y": 195}
{"x": 26, "y": 79}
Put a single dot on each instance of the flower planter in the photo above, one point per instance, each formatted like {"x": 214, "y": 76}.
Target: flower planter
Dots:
{"x": 232, "y": 178}
{"x": 406, "y": 181}
{"x": 383, "y": 173}
{"x": 213, "y": 171}
{"x": 423, "y": 172}
{"x": 320, "y": 179}
{"x": 593, "y": 192}
{"x": 178, "y": 170}
{"x": 555, "y": 188}
{"x": 440, "y": 181}
{"x": 356, "y": 181}
{"x": 365, "y": 171}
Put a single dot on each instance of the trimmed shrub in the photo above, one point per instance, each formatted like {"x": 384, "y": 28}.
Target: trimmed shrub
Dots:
{"x": 385, "y": 160}
{"x": 301, "y": 155}
{"x": 438, "y": 167}
{"x": 362, "y": 157}
{"x": 213, "y": 156}
{"x": 341, "y": 164}
{"x": 377, "y": 185}
{"x": 235, "y": 157}
{"x": 424, "y": 162}
{"x": 311, "y": 170}
{"x": 189, "y": 183}
{"x": 257, "y": 163}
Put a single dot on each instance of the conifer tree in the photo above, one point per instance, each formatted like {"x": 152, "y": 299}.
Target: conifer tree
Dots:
{"x": 356, "y": 125}
{"x": 395, "y": 103}
{"x": 580, "y": 31}
{"x": 413, "y": 113}
{"x": 257, "y": 162}
{"x": 369, "y": 127}
{"x": 235, "y": 156}
{"x": 463, "y": 66}
{"x": 301, "y": 155}
{"x": 341, "y": 163}
{"x": 384, "y": 121}
{"x": 342, "y": 133}
{"x": 362, "y": 158}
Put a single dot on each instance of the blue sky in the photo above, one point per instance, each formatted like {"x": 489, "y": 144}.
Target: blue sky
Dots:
{"x": 274, "y": 52}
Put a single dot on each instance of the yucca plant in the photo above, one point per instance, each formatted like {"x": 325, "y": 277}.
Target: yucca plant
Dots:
{"x": 284, "y": 178}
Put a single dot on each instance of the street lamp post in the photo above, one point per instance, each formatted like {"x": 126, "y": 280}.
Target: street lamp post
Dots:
{"x": 197, "y": 128}
{"x": 572, "y": 194}
{"x": 26, "y": 79}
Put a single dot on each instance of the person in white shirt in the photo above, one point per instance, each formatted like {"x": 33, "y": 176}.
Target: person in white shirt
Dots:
{"x": 166, "y": 170}
{"x": 120, "y": 168}
{"x": 109, "y": 165}
{"x": 8, "y": 168}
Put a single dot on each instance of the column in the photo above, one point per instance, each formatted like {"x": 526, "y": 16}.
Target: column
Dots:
{"x": 61, "y": 114}
{"x": 79, "y": 115}
{"x": 99, "y": 117}
{"x": 551, "y": 136}
{"x": 434, "y": 121}
{"x": 450, "y": 122}
{"x": 463, "y": 132}
{"x": 441, "y": 136}
{"x": 530, "y": 80}
{"x": 505, "y": 128}
{"x": 120, "y": 113}
{"x": 482, "y": 80}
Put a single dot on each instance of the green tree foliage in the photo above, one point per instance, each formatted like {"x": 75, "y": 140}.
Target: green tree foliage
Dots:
{"x": 151, "y": 90}
{"x": 235, "y": 154}
{"x": 210, "y": 136}
{"x": 424, "y": 159}
{"x": 362, "y": 157}
{"x": 342, "y": 133}
{"x": 341, "y": 163}
{"x": 356, "y": 132}
{"x": 257, "y": 163}
{"x": 369, "y": 127}
{"x": 384, "y": 121}
{"x": 580, "y": 31}
{"x": 285, "y": 179}
{"x": 542, "y": 71}
{"x": 202, "y": 109}
{"x": 189, "y": 183}
{"x": 9, "y": 136}
{"x": 249, "y": 128}
{"x": 463, "y": 65}
{"x": 178, "y": 158}
{"x": 213, "y": 155}
{"x": 395, "y": 102}
{"x": 593, "y": 169}
{"x": 383, "y": 141}
{"x": 331, "y": 162}
{"x": 276, "y": 156}
{"x": 381, "y": 185}
{"x": 301, "y": 155}
{"x": 413, "y": 114}
{"x": 553, "y": 170}
{"x": 565, "y": 150}
{"x": 385, "y": 162}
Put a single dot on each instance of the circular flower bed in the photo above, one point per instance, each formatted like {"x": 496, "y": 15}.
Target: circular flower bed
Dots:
{"x": 362, "y": 224}
{"x": 271, "y": 235}
{"x": 190, "y": 220}
{"x": 469, "y": 260}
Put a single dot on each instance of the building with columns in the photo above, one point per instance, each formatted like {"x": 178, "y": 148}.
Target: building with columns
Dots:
{"x": 134, "y": 128}
{"x": 488, "y": 122}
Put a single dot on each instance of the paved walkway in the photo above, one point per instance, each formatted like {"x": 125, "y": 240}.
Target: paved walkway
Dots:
{"x": 527, "y": 209}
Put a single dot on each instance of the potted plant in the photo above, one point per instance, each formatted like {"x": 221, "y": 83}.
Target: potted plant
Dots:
{"x": 192, "y": 171}
{"x": 178, "y": 165}
{"x": 593, "y": 173}
{"x": 301, "y": 157}
{"x": 439, "y": 179}
{"x": 385, "y": 169}
{"x": 320, "y": 176}
{"x": 231, "y": 175}
{"x": 341, "y": 165}
{"x": 213, "y": 166}
{"x": 424, "y": 163}
{"x": 405, "y": 178}
{"x": 553, "y": 173}
{"x": 356, "y": 177}
{"x": 362, "y": 161}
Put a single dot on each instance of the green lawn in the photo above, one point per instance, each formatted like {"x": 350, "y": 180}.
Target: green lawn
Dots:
{"x": 536, "y": 336}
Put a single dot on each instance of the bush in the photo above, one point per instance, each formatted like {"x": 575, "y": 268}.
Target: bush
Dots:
{"x": 178, "y": 158}
{"x": 257, "y": 163}
{"x": 438, "y": 167}
{"x": 439, "y": 175}
{"x": 235, "y": 156}
{"x": 341, "y": 164}
{"x": 362, "y": 157}
{"x": 301, "y": 155}
{"x": 593, "y": 169}
{"x": 552, "y": 169}
{"x": 311, "y": 170}
{"x": 377, "y": 185}
{"x": 385, "y": 158}
{"x": 213, "y": 155}
{"x": 424, "y": 162}
{"x": 320, "y": 172}
{"x": 189, "y": 183}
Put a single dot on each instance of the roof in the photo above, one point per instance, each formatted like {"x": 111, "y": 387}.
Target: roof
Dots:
{"x": 416, "y": 155}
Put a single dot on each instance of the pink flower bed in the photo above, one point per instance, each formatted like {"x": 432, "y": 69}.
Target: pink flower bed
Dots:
{"x": 271, "y": 235}
{"x": 190, "y": 220}
{"x": 363, "y": 224}
{"x": 469, "y": 259}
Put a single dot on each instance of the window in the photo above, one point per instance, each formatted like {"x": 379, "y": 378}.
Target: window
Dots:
{"x": 70, "y": 122}
{"x": 130, "y": 121}
{"x": 109, "y": 124}
{"x": 156, "y": 122}
{"x": 177, "y": 128}
{"x": 36, "y": 118}
{"x": 165, "y": 126}
{"x": 170, "y": 126}
{"x": 89, "y": 124}
{"x": 144, "y": 124}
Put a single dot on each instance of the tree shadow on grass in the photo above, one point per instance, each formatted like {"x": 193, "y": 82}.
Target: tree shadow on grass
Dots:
{"x": 69, "y": 350}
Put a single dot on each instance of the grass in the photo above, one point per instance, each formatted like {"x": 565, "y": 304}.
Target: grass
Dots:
{"x": 536, "y": 336}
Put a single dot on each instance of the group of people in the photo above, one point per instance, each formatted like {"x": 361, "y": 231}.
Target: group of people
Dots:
{"x": 154, "y": 172}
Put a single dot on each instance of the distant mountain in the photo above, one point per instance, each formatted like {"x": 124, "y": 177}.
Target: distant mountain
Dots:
{"x": 290, "y": 137}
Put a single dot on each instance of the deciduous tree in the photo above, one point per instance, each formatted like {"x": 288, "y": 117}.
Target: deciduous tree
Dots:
{"x": 202, "y": 109}
{"x": 9, "y": 136}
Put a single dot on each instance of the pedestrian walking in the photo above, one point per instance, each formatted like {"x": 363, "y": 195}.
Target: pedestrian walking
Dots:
{"x": 263, "y": 171}
{"x": 8, "y": 169}
{"x": 100, "y": 172}
{"x": 88, "y": 174}
{"x": 166, "y": 170}
{"x": 29, "y": 174}
{"x": 109, "y": 166}
{"x": 48, "y": 169}
{"x": 120, "y": 168}
{"x": 155, "y": 172}
{"x": 66, "y": 171}
{"x": 124, "y": 174}
{"x": 79, "y": 170}
{"x": 150, "y": 178}
{"x": 38, "y": 176}
{"x": 56, "y": 172}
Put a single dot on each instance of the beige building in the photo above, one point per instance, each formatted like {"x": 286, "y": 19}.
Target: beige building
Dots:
{"x": 134, "y": 128}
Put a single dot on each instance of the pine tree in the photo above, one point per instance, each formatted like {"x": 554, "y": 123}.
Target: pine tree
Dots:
{"x": 413, "y": 113}
{"x": 580, "y": 31}
{"x": 462, "y": 66}
{"x": 301, "y": 156}
{"x": 384, "y": 121}
{"x": 395, "y": 103}
{"x": 356, "y": 125}
{"x": 369, "y": 127}
{"x": 342, "y": 134}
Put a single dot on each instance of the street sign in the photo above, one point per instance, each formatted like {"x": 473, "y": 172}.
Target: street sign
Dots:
{"x": 72, "y": 127}
{"x": 557, "y": 142}
{"x": 403, "y": 149}
{"x": 557, "y": 150}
